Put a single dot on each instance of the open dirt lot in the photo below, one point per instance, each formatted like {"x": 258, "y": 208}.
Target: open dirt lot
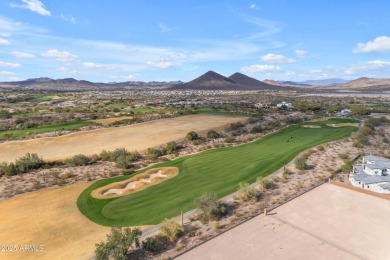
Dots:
{"x": 133, "y": 137}
{"x": 328, "y": 222}
{"x": 49, "y": 218}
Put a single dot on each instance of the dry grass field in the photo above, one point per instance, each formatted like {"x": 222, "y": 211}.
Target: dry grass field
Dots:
{"x": 133, "y": 137}
{"x": 49, "y": 218}
{"x": 328, "y": 222}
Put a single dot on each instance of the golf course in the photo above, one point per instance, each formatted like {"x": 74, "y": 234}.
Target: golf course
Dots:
{"x": 216, "y": 170}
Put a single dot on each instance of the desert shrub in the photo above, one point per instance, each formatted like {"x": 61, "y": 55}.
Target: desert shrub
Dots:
{"x": 257, "y": 129}
{"x": 263, "y": 182}
{"x": 170, "y": 229}
{"x": 77, "y": 160}
{"x": 151, "y": 245}
{"x": 235, "y": 126}
{"x": 118, "y": 243}
{"x": 153, "y": 153}
{"x": 28, "y": 162}
{"x": 191, "y": 136}
{"x": 123, "y": 161}
{"x": 301, "y": 163}
{"x": 230, "y": 139}
{"x": 347, "y": 166}
{"x": 246, "y": 192}
{"x": 209, "y": 207}
{"x": 199, "y": 141}
{"x": 212, "y": 134}
{"x": 344, "y": 156}
{"x": 171, "y": 147}
{"x": 118, "y": 152}
{"x": 105, "y": 155}
{"x": 321, "y": 148}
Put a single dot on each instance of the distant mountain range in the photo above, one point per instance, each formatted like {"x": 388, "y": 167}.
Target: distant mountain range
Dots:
{"x": 71, "y": 83}
{"x": 364, "y": 84}
{"x": 211, "y": 81}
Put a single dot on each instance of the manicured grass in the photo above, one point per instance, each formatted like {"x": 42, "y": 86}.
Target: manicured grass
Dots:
{"x": 218, "y": 170}
{"x": 43, "y": 99}
{"x": 44, "y": 129}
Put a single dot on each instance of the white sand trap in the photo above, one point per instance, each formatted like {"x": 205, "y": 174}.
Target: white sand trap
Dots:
{"x": 343, "y": 124}
{"x": 311, "y": 126}
{"x": 136, "y": 183}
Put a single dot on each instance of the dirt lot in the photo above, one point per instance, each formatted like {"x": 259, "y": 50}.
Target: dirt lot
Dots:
{"x": 133, "y": 137}
{"x": 328, "y": 222}
{"x": 49, "y": 218}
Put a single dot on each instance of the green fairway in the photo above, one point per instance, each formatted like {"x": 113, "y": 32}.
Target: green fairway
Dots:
{"x": 10, "y": 134}
{"x": 219, "y": 170}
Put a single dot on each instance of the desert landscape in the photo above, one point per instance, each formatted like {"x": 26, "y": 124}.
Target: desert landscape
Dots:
{"x": 133, "y": 137}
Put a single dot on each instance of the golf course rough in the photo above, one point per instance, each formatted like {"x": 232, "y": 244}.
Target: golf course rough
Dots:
{"x": 217, "y": 170}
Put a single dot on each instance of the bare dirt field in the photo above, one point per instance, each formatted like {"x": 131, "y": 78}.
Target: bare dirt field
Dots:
{"x": 133, "y": 137}
{"x": 329, "y": 222}
{"x": 49, "y": 218}
{"x": 107, "y": 121}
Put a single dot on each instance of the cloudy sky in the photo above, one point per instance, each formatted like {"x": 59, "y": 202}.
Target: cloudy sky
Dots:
{"x": 101, "y": 40}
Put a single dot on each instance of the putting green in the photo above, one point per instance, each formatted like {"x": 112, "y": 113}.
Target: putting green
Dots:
{"x": 219, "y": 170}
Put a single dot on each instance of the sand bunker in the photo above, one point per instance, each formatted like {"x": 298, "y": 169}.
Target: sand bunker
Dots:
{"x": 136, "y": 183}
{"x": 311, "y": 126}
{"x": 343, "y": 124}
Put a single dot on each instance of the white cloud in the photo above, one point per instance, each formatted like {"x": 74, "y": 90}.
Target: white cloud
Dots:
{"x": 23, "y": 55}
{"x": 70, "y": 19}
{"x": 9, "y": 64}
{"x": 164, "y": 27}
{"x": 164, "y": 64}
{"x": 66, "y": 70}
{"x": 254, "y": 6}
{"x": 127, "y": 77}
{"x": 62, "y": 56}
{"x": 6, "y": 73}
{"x": 300, "y": 53}
{"x": 92, "y": 65}
{"x": 379, "y": 44}
{"x": 260, "y": 68}
{"x": 34, "y": 6}
{"x": 379, "y": 63}
{"x": 4, "y": 41}
{"x": 276, "y": 58}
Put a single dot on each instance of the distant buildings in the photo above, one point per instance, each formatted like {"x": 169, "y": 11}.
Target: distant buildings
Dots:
{"x": 284, "y": 104}
{"x": 344, "y": 112}
{"x": 260, "y": 105}
{"x": 373, "y": 174}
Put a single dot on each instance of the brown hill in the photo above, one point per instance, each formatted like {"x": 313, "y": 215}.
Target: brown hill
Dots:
{"x": 214, "y": 81}
{"x": 246, "y": 81}
{"x": 209, "y": 81}
{"x": 372, "y": 84}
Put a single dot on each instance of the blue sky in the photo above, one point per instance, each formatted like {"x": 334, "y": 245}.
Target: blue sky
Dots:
{"x": 105, "y": 41}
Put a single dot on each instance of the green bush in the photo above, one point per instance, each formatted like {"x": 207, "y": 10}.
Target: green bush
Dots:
{"x": 301, "y": 163}
{"x": 151, "y": 245}
{"x": 171, "y": 147}
{"x": 191, "y": 136}
{"x": 118, "y": 243}
{"x": 153, "y": 153}
{"x": 209, "y": 207}
{"x": 212, "y": 134}
{"x": 78, "y": 160}
{"x": 246, "y": 192}
{"x": 170, "y": 229}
